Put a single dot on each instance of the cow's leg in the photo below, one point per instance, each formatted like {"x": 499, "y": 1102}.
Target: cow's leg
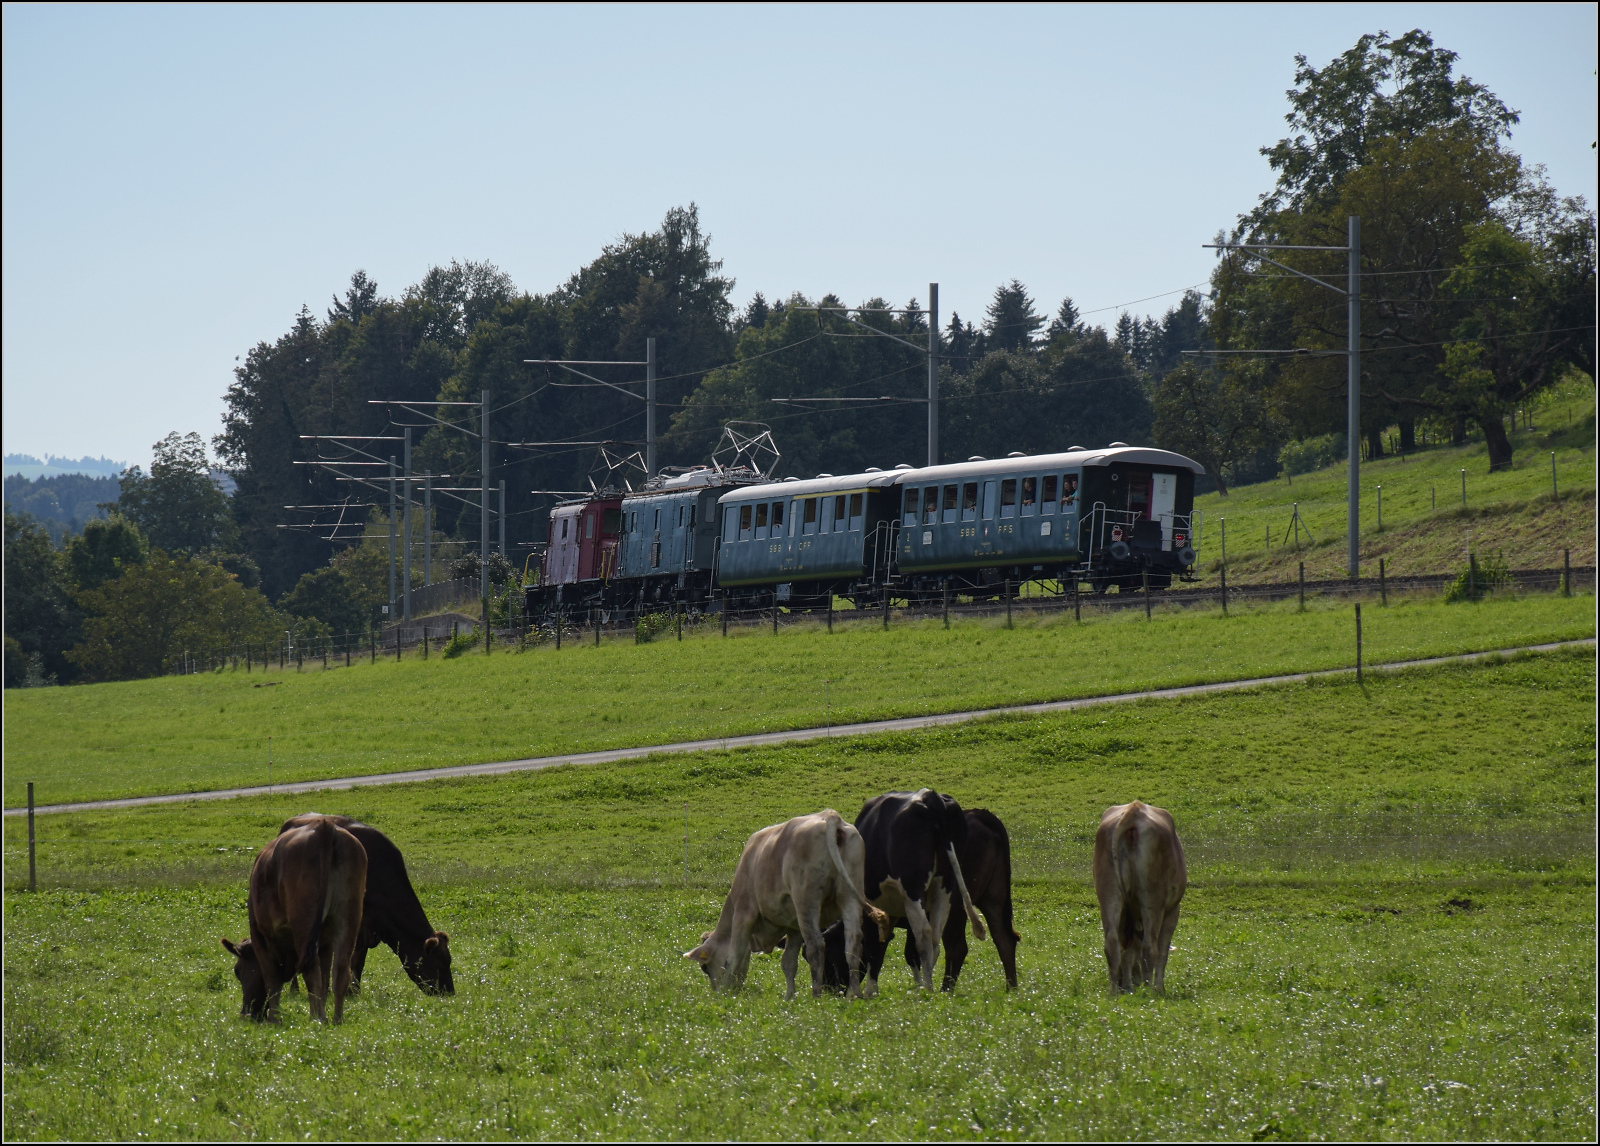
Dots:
{"x": 1128, "y": 937}
{"x": 358, "y": 962}
{"x": 955, "y": 947}
{"x": 873, "y": 949}
{"x": 1002, "y": 930}
{"x": 1151, "y": 922}
{"x": 738, "y": 965}
{"x": 267, "y": 959}
{"x": 851, "y": 918}
{"x": 343, "y": 968}
{"x": 791, "y": 962}
{"x": 1164, "y": 947}
{"x": 921, "y": 928}
{"x": 808, "y": 910}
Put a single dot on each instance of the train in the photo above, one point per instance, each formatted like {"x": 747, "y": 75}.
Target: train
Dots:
{"x": 709, "y": 537}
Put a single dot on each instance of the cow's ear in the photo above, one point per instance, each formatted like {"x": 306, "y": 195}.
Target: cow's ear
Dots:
{"x": 437, "y": 941}
{"x": 701, "y": 954}
{"x": 228, "y": 946}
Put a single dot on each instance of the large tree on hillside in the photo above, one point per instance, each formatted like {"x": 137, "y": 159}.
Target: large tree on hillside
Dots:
{"x": 177, "y": 506}
{"x": 1388, "y": 133}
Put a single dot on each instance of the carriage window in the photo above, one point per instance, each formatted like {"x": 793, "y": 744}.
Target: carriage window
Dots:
{"x": 840, "y": 521}
{"x": 777, "y": 519}
{"x": 911, "y": 505}
{"x": 988, "y": 499}
{"x": 969, "y": 501}
{"x": 612, "y": 522}
{"x": 809, "y": 525}
{"x": 1047, "y": 498}
{"x": 855, "y": 510}
{"x": 761, "y": 520}
{"x": 930, "y": 505}
{"x": 1030, "y": 495}
{"x": 1069, "y": 491}
{"x": 1008, "y": 497}
{"x": 949, "y": 514}
{"x": 744, "y": 523}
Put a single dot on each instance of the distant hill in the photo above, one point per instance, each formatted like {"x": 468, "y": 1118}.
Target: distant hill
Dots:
{"x": 28, "y": 466}
{"x": 63, "y": 503}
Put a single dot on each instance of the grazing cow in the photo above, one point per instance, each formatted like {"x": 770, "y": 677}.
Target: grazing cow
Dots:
{"x": 792, "y": 879}
{"x": 392, "y": 914}
{"x": 1140, "y": 877}
{"x": 911, "y": 840}
{"x": 306, "y": 889}
{"x": 986, "y": 866}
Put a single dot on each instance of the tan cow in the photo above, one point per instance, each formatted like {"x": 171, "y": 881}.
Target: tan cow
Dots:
{"x": 1140, "y": 877}
{"x": 793, "y": 880}
{"x": 306, "y": 889}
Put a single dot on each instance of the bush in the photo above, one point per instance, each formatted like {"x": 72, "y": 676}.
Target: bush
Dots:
{"x": 1482, "y": 575}
{"x": 460, "y": 643}
{"x": 1309, "y": 454}
{"x": 650, "y": 626}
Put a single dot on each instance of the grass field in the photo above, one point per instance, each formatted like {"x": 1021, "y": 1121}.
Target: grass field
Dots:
{"x": 1426, "y": 528}
{"x": 176, "y": 734}
{"x": 1389, "y": 934}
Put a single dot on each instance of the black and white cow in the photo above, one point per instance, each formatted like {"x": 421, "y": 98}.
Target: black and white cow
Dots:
{"x": 985, "y": 860}
{"x": 911, "y": 840}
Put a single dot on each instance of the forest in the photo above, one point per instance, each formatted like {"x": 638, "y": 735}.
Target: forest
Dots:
{"x": 1478, "y": 296}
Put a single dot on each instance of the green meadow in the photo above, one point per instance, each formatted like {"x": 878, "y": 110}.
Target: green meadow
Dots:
{"x": 1389, "y": 934}
{"x": 218, "y": 730}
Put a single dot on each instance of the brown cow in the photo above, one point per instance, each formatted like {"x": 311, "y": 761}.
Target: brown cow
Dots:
{"x": 306, "y": 889}
{"x": 1140, "y": 877}
{"x": 793, "y": 879}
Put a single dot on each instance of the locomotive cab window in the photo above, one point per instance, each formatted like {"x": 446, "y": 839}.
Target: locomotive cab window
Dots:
{"x": 1047, "y": 496}
{"x": 969, "y": 501}
{"x": 1030, "y": 495}
{"x": 588, "y": 526}
{"x": 911, "y": 506}
{"x": 612, "y": 522}
{"x": 564, "y": 521}
{"x": 948, "y": 512}
{"x": 693, "y": 505}
{"x": 855, "y": 511}
{"x": 1008, "y": 498}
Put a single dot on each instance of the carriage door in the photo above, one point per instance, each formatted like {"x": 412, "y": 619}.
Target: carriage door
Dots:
{"x": 1139, "y": 493}
{"x": 1163, "y": 497}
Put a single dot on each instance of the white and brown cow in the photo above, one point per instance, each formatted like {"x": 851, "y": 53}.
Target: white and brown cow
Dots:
{"x": 793, "y": 879}
{"x": 1140, "y": 877}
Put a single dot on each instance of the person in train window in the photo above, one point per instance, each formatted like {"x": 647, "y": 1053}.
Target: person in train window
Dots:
{"x": 1069, "y": 491}
{"x": 969, "y": 501}
{"x": 930, "y": 505}
{"x": 1030, "y": 495}
{"x": 777, "y": 519}
{"x": 1047, "y": 496}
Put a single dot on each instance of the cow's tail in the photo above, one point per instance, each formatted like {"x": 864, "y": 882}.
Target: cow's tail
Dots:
{"x": 327, "y": 842}
{"x": 835, "y": 830}
{"x": 966, "y": 898}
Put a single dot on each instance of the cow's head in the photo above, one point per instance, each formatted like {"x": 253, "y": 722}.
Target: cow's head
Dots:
{"x": 713, "y": 961}
{"x": 431, "y": 971}
{"x": 248, "y": 972}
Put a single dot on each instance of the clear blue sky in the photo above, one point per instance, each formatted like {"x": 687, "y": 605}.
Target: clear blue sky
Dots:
{"x": 179, "y": 180}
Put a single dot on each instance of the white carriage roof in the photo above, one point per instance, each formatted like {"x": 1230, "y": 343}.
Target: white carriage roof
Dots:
{"x": 789, "y": 487}
{"x": 1072, "y": 459}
